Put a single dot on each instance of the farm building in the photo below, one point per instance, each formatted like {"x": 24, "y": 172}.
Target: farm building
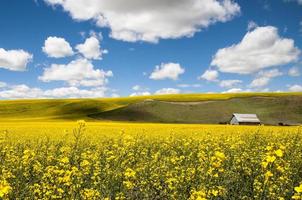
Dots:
{"x": 245, "y": 119}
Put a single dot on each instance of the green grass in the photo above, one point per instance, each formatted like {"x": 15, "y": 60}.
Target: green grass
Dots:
{"x": 272, "y": 108}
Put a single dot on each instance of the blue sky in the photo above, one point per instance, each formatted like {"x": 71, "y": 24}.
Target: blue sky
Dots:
{"x": 101, "y": 48}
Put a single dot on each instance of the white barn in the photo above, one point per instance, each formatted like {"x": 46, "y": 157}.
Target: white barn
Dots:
{"x": 245, "y": 119}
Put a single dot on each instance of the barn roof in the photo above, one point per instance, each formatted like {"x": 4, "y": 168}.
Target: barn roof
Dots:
{"x": 246, "y": 117}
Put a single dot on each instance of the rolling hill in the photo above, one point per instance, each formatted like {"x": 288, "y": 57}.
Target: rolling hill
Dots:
{"x": 272, "y": 108}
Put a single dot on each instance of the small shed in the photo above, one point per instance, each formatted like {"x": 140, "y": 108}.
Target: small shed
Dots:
{"x": 245, "y": 119}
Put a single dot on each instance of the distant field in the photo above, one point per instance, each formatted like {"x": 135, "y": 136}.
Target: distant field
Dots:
{"x": 59, "y": 130}
{"x": 272, "y": 108}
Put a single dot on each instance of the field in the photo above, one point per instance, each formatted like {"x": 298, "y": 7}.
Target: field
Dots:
{"x": 272, "y": 108}
{"x": 99, "y": 160}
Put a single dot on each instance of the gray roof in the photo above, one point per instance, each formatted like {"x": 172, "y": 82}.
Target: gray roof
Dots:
{"x": 246, "y": 117}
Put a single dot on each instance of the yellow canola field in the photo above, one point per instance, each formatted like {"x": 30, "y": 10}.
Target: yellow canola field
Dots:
{"x": 69, "y": 160}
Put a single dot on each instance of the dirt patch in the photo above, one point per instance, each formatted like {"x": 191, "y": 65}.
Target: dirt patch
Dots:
{"x": 186, "y": 102}
{"x": 264, "y": 97}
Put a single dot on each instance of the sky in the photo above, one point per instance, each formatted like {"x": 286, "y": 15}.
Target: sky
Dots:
{"x": 109, "y": 48}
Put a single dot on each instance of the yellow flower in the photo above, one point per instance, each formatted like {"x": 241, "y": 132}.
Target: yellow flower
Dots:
{"x": 270, "y": 159}
{"x": 129, "y": 173}
{"x": 268, "y": 174}
{"x": 128, "y": 184}
{"x": 64, "y": 160}
{"x": 215, "y": 193}
{"x": 296, "y": 197}
{"x": 280, "y": 169}
{"x": 90, "y": 194}
{"x": 5, "y": 188}
{"x": 279, "y": 153}
{"x": 299, "y": 188}
{"x": 81, "y": 122}
{"x": 220, "y": 155}
{"x": 84, "y": 163}
{"x": 264, "y": 164}
{"x": 198, "y": 195}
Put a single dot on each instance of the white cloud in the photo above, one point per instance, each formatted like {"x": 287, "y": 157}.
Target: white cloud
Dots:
{"x": 2, "y": 84}
{"x": 167, "y": 91}
{"x": 189, "y": 85}
{"x": 264, "y": 77}
{"x": 210, "y": 75}
{"x": 136, "y": 87}
{"x": 260, "y": 82}
{"x": 79, "y": 72}
{"x": 229, "y": 83}
{"x": 233, "y": 90}
{"x": 294, "y": 71}
{"x": 74, "y": 92}
{"x": 295, "y": 88}
{"x": 167, "y": 71}
{"x": 148, "y": 20}
{"x": 259, "y": 49}
{"x": 98, "y": 35}
{"x": 57, "y": 47}
{"x": 14, "y": 60}
{"x": 270, "y": 73}
{"x": 139, "y": 89}
{"x": 114, "y": 95}
{"x": 20, "y": 92}
{"x": 298, "y": 1}
{"x": 91, "y": 48}
{"x": 26, "y": 92}
{"x": 251, "y": 25}
{"x": 140, "y": 94}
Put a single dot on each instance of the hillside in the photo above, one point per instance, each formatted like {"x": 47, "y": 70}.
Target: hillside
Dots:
{"x": 272, "y": 108}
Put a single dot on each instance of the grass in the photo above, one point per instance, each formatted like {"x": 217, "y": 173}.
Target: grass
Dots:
{"x": 283, "y": 107}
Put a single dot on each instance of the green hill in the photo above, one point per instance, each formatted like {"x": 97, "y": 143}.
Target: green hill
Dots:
{"x": 272, "y": 108}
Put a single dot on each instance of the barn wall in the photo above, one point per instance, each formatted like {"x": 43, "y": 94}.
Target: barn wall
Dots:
{"x": 249, "y": 123}
{"x": 234, "y": 121}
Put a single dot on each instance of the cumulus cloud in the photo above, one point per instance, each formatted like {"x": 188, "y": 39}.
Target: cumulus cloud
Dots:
{"x": 167, "y": 91}
{"x": 251, "y": 25}
{"x": 20, "y": 92}
{"x": 260, "y": 82}
{"x": 140, "y": 91}
{"x": 140, "y": 94}
{"x": 210, "y": 75}
{"x": 150, "y": 21}
{"x": 233, "y": 90}
{"x": 264, "y": 77}
{"x": 79, "y": 72}
{"x": 259, "y": 49}
{"x": 2, "y": 84}
{"x": 167, "y": 71}
{"x": 25, "y": 92}
{"x": 91, "y": 48}
{"x": 136, "y": 87}
{"x": 14, "y": 60}
{"x": 298, "y": 1}
{"x": 189, "y": 85}
{"x": 229, "y": 83}
{"x": 115, "y": 95}
{"x": 57, "y": 47}
{"x": 74, "y": 92}
{"x": 294, "y": 71}
{"x": 295, "y": 88}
